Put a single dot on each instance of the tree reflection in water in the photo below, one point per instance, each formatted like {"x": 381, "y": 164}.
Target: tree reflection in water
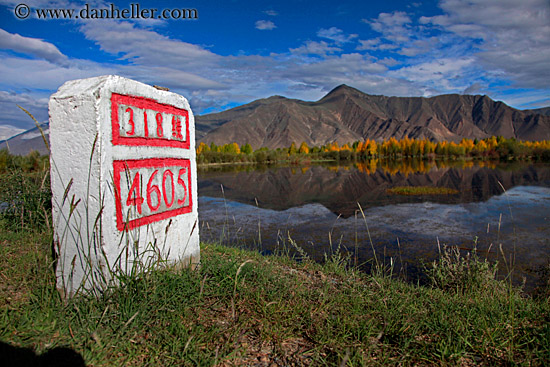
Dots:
{"x": 309, "y": 202}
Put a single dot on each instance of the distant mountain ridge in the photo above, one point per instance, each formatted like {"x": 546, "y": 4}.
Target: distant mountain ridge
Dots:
{"x": 23, "y": 143}
{"x": 541, "y": 111}
{"x": 346, "y": 114}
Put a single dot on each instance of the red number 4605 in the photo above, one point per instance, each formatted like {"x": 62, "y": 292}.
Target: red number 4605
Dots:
{"x": 167, "y": 182}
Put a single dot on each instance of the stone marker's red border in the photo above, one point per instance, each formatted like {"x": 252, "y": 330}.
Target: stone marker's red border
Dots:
{"x": 146, "y": 103}
{"x": 119, "y": 167}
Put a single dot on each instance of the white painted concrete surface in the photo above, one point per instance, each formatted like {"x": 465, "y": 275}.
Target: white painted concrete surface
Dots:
{"x": 124, "y": 180}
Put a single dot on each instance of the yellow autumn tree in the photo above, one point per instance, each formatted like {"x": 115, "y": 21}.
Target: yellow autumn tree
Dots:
{"x": 405, "y": 146}
{"x": 372, "y": 148}
{"x": 423, "y": 146}
{"x": 202, "y": 148}
{"x": 481, "y": 146}
{"x": 430, "y": 147}
{"x": 304, "y": 149}
{"x": 467, "y": 144}
{"x": 292, "y": 150}
{"x": 232, "y": 148}
{"x": 492, "y": 143}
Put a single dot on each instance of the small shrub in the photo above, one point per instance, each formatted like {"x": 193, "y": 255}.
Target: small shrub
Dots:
{"x": 457, "y": 273}
{"x": 25, "y": 200}
{"x": 421, "y": 190}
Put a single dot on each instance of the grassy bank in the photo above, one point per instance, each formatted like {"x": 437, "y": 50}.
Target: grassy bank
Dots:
{"x": 421, "y": 190}
{"x": 241, "y": 308}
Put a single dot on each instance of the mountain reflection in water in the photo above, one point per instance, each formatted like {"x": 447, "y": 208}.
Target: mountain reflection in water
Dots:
{"x": 317, "y": 206}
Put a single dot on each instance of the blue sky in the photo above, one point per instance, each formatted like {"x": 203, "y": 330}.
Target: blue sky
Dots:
{"x": 239, "y": 51}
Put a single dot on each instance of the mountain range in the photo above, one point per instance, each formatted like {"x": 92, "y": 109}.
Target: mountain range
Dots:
{"x": 23, "y": 143}
{"x": 346, "y": 115}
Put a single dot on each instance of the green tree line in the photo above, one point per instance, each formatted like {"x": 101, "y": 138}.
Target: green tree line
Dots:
{"x": 489, "y": 148}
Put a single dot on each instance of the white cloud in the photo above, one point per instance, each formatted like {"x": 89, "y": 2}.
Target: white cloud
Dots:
{"x": 394, "y": 26}
{"x": 336, "y": 35}
{"x": 20, "y": 73}
{"x": 22, "y": 99}
{"x": 272, "y": 13}
{"x": 398, "y": 34}
{"x": 347, "y": 64}
{"x": 182, "y": 65}
{"x": 490, "y": 42}
{"x": 525, "y": 99}
{"x": 31, "y": 46}
{"x": 370, "y": 44}
{"x": 388, "y": 61}
{"x": 513, "y": 36}
{"x": 315, "y": 48}
{"x": 446, "y": 74}
{"x": 265, "y": 25}
{"x": 421, "y": 46}
{"x": 7, "y": 131}
{"x": 384, "y": 20}
{"x": 144, "y": 46}
{"x": 352, "y": 69}
{"x": 14, "y": 117}
{"x": 475, "y": 88}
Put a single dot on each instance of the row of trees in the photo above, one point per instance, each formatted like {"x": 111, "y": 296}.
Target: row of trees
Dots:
{"x": 490, "y": 148}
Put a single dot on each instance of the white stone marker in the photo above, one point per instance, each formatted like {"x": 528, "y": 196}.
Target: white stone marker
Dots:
{"x": 124, "y": 181}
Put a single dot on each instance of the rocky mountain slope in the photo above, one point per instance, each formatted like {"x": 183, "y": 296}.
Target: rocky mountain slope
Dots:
{"x": 347, "y": 114}
{"x": 23, "y": 143}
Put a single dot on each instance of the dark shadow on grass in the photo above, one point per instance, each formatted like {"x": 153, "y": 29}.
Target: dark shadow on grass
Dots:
{"x": 25, "y": 357}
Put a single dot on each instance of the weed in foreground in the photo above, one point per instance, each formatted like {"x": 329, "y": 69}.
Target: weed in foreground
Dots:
{"x": 25, "y": 199}
{"x": 459, "y": 273}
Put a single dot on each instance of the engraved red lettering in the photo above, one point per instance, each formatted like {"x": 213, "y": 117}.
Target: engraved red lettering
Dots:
{"x": 176, "y": 128}
{"x": 160, "y": 133}
{"x": 151, "y": 189}
{"x": 136, "y": 200}
{"x": 182, "y": 183}
{"x": 131, "y": 122}
{"x": 127, "y": 112}
{"x": 168, "y": 190}
{"x": 166, "y": 174}
{"x": 145, "y": 124}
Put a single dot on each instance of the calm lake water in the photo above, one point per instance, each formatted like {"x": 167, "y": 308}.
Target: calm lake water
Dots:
{"x": 501, "y": 206}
